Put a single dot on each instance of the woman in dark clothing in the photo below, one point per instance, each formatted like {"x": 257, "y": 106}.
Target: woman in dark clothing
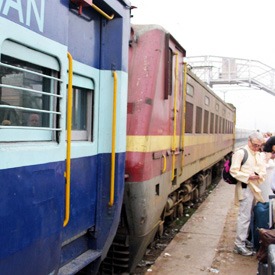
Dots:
{"x": 270, "y": 145}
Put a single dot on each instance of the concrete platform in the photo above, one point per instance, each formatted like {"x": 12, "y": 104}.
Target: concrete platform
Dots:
{"x": 204, "y": 244}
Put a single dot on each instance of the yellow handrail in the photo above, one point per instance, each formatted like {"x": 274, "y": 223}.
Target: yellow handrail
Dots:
{"x": 113, "y": 157}
{"x": 175, "y": 118}
{"x": 184, "y": 110}
{"x": 109, "y": 17}
{"x": 164, "y": 163}
{"x": 67, "y": 174}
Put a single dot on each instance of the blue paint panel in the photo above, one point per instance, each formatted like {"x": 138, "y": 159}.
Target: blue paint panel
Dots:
{"x": 30, "y": 217}
{"x": 111, "y": 45}
{"x": 99, "y": 43}
{"x": 84, "y": 39}
{"x": 83, "y": 196}
{"x": 56, "y": 22}
{"x": 90, "y": 190}
{"x": 96, "y": 42}
{"x": 47, "y": 21}
{"x": 42, "y": 257}
{"x": 32, "y": 210}
{"x": 108, "y": 217}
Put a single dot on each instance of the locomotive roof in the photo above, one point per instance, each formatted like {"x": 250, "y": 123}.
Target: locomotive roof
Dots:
{"x": 193, "y": 75}
{"x": 141, "y": 29}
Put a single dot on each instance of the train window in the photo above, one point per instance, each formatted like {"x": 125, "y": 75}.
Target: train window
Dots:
{"x": 198, "y": 119}
{"x": 224, "y": 125}
{"x": 231, "y": 127}
{"x": 29, "y": 55}
{"x": 205, "y": 121}
{"x": 157, "y": 190}
{"x": 189, "y": 118}
{"x": 217, "y": 124}
{"x": 212, "y": 123}
{"x": 228, "y": 127}
{"x": 82, "y": 111}
{"x": 169, "y": 74}
{"x": 206, "y": 100}
{"x": 190, "y": 90}
{"x": 221, "y": 125}
{"x": 28, "y": 94}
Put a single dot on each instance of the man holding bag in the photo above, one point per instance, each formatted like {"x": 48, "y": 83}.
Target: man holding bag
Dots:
{"x": 249, "y": 176}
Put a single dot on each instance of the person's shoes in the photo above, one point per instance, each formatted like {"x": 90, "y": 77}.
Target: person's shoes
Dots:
{"x": 249, "y": 245}
{"x": 242, "y": 251}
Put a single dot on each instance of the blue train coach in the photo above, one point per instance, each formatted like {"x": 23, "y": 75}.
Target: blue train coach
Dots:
{"x": 63, "y": 92}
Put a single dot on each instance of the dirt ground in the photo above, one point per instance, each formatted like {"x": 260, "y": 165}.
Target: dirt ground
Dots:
{"x": 226, "y": 262}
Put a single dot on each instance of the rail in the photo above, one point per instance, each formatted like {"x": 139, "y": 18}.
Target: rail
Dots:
{"x": 67, "y": 174}
{"x": 175, "y": 118}
{"x": 88, "y": 3}
{"x": 109, "y": 17}
{"x": 113, "y": 156}
{"x": 183, "y": 111}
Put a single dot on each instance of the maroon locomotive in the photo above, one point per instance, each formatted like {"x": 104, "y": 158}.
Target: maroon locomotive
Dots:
{"x": 178, "y": 133}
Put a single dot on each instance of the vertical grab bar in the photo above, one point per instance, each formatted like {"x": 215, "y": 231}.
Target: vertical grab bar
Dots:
{"x": 175, "y": 117}
{"x": 67, "y": 174}
{"x": 113, "y": 156}
{"x": 184, "y": 111}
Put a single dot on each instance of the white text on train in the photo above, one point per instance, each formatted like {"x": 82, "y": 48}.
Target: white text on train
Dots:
{"x": 24, "y": 16}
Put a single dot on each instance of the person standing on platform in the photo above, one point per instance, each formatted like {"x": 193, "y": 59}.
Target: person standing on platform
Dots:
{"x": 249, "y": 175}
{"x": 270, "y": 145}
{"x": 269, "y": 154}
{"x": 268, "y": 186}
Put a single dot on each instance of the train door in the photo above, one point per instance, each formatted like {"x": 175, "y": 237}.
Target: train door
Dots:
{"x": 82, "y": 164}
{"x": 96, "y": 49}
{"x": 175, "y": 85}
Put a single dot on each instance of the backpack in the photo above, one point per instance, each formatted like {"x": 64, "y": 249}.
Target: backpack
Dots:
{"x": 226, "y": 168}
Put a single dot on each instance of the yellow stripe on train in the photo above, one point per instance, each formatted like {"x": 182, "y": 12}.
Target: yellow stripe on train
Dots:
{"x": 157, "y": 143}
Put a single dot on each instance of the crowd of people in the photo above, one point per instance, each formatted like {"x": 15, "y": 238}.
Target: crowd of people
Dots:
{"x": 256, "y": 182}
